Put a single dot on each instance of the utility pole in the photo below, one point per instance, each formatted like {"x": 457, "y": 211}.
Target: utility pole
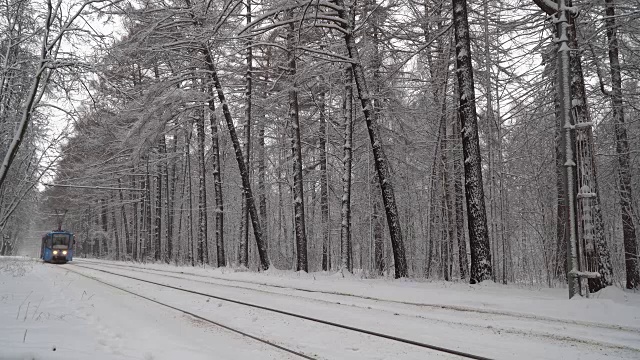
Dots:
{"x": 564, "y": 90}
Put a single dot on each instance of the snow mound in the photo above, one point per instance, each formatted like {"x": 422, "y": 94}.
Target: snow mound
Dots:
{"x": 612, "y": 293}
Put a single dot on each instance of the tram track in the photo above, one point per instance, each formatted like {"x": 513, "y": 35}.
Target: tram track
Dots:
{"x": 530, "y": 328}
{"x": 354, "y": 329}
{"x": 452, "y": 308}
{"x": 201, "y": 318}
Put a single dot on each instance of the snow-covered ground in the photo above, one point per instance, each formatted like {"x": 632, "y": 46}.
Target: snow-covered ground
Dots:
{"x": 53, "y": 311}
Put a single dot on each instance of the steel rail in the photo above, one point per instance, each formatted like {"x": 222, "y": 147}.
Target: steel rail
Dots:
{"x": 305, "y": 317}
{"x": 253, "y": 337}
{"x": 391, "y": 301}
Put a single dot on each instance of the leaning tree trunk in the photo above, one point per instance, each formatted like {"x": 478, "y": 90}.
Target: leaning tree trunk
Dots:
{"x": 244, "y": 173}
{"x": 380, "y": 159}
{"x": 244, "y": 222}
{"x": 622, "y": 150}
{"x": 477, "y": 216}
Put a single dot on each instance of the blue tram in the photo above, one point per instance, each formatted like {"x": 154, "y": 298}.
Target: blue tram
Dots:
{"x": 57, "y": 246}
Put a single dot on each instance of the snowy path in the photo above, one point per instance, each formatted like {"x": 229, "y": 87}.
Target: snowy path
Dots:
{"x": 43, "y": 307}
{"x": 496, "y": 322}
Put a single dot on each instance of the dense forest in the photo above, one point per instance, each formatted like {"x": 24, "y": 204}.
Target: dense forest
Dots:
{"x": 454, "y": 140}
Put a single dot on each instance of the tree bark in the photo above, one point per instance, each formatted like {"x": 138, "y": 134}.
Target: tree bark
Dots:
{"x": 244, "y": 174}
{"x": 324, "y": 186}
{"x": 476, "y": 212}
{"x": 380, "y": 159}
{"x": 217, "y": 178}
{"x": 202, "y": 246}
{"x": 622, "y": 150}
{"x": 463, "y": 258}
{"x": 158, "y": 206}
{"x": 244, "y": 226}
{"x": 125, "y": 223}
{"x": 296, "y": 148}
{"x": 347, "y": 150}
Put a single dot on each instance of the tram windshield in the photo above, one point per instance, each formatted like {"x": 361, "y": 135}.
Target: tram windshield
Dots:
{"x": 60, "y": 241}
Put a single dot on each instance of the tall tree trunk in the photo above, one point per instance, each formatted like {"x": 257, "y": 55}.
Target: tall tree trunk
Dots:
{"x": 132, "y": 247}
{"x": 447, "y": 202}
{"x": 324, "y": 185}
{"x": 125, "y": 223}
{"x": 262, "y": 190}
{"x": 345, "y": 212}
{"x": 147, "y": 213}
{"x": 202, "y": 246}
{"x": 217, "y": 179}
{"x": 244, "y": 173}
{"x": 376, "y": 65}
{"x": 622, "y": 150}
{"x": 158, "y": 203}
{"x": 463, "y": 259}
{"x": 262, "y": 165}
{"x": 492, "y": 233}
{"x": 171, "y": 196}
{"x": 476, "y": 212}
{"x": 116, "y": 236}
{"x": 296, "y": 148}
{"x": 190, "y": 248}
{"x": 244, "y": 233}
{"x": 380, "y": 159}
{"x": 378, "y": 234}
{"x": 104, "y": 251}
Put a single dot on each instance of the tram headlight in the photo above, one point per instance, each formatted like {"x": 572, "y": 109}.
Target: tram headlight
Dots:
{"x": 64, "y": 252}
{"x": 55, "y": 252}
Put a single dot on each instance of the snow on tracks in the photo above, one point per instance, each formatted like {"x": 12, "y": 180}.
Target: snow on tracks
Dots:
{"x": 478, "y": 332}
